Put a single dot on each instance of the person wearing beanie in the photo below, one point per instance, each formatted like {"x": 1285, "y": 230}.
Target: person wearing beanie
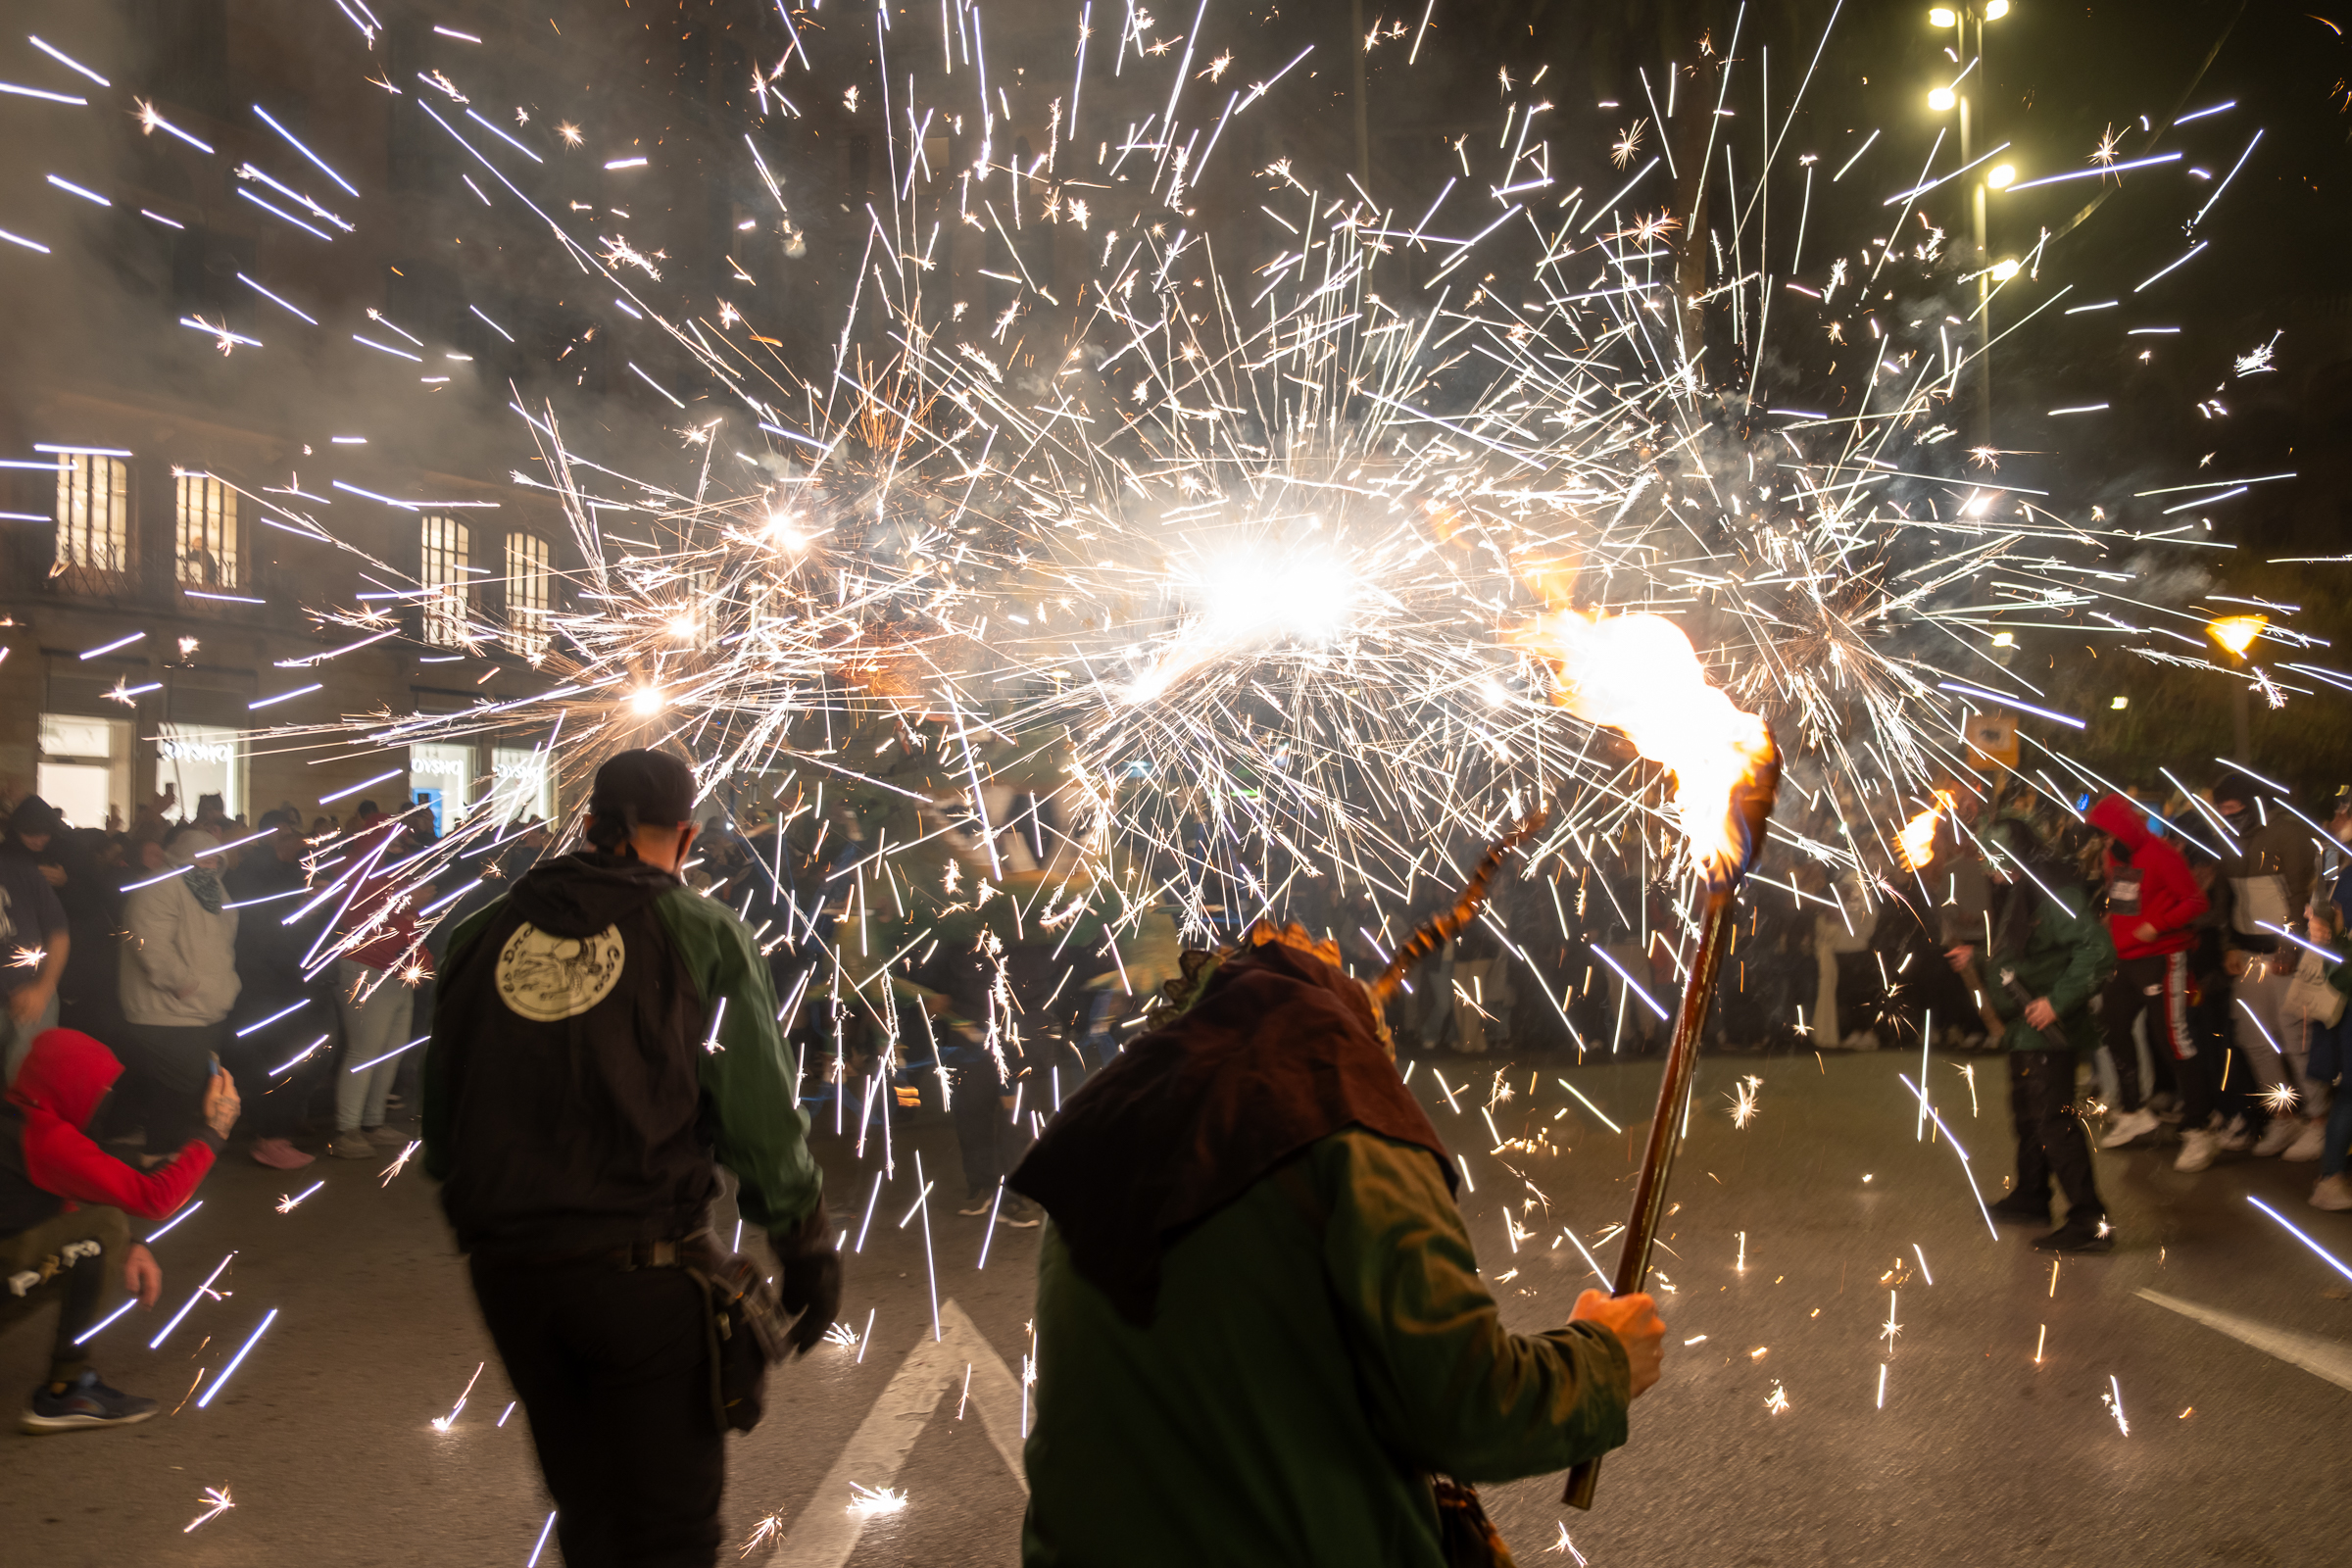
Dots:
{"x": 63, "y": 1206}
{"x": 33, "y": 927}
{"x": 178, "y": 983}
{"x": 603, "y": 1040}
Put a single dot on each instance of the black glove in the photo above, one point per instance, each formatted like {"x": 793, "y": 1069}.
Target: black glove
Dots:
{"x": 811, "y": 1281}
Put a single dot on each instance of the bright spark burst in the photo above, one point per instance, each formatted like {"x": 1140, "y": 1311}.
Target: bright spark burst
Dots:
{"x": 1256, "y": 530}
{"x": 2113, "y": 1399}
{"x": 28, "y": 957}
{"x": 869, "y": 1502}
{"x": 286, "y": 1205}
{"x": 400, "y": 1161}
{"x": 442, "y": 1423}
{"x": 1776, "y": 1402}
{"x": 1743, "y": 1102}
{"x": 217, "y": 1502}
{"x": 767, "y": 1530}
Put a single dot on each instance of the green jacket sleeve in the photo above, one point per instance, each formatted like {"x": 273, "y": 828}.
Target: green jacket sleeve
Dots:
{"x": 1448, "y": 1388}
{"x": 439, "y": 1076}
{"x": 762, "y": 1134}
{"x": 2089, "y": 952}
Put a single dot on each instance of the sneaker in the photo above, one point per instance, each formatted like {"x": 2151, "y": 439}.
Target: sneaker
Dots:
{"x": 2279, "y": 1136}
{"x": 2333, "y": 1192}
{"x": 2130, "y": 1128}
{"x": 352, "y": 1144}
{"x": 980, "y": 1205}
{"x": 2309, "y": 1144}
{"x": 389, "y": 1136}
{"x": 2081, "y": 1233}
{"x": 2231, "y": 1138}
{"x": 1020, "y": 1213}
{"x": 2198, "y": 1145}
{"x": 278, "y": 1154}
{"x": 87, "y": 1402}
{"x": 2023, "y": 1208}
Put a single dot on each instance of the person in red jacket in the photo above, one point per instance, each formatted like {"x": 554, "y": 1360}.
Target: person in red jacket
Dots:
{"x": 2153, "y": 901}
{"x": 62, "y": 1203}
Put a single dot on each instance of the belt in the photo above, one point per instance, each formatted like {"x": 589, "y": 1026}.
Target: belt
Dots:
{"x": 635, "y": 1255}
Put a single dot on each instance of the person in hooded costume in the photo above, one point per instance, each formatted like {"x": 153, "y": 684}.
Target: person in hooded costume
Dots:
{"x": 1262, "y": 1334}
{"x": 2049, "y": 956}
{"x": 603, "y": 1037}
{"x": 62, "y": 1203}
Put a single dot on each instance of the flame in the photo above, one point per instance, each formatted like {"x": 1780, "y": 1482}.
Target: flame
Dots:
{"x": 1916, "y": 843}
{"x": 1638, "y": 674}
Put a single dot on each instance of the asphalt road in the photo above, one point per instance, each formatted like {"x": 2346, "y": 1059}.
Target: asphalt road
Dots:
{"x": 1790, "y": 1234}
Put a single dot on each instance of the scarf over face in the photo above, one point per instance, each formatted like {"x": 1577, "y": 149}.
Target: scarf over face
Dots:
{"x": 1280, "y": 1052}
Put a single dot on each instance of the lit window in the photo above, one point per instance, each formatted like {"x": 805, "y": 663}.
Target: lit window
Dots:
{"x": 208, "y": 532}
{"x": 529, "y": 586}
{"x": 441, "y": 574}
{"x": 93, "y": 512}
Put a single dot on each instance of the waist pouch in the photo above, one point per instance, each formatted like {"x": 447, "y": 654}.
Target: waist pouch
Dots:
{"x": 745, "y": 1326}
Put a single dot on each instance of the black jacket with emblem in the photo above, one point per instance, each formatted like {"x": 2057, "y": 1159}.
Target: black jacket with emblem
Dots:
{"x": 576, "y": 1090}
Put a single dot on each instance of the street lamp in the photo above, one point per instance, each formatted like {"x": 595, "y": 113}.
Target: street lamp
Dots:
{"x": 2236, "y": 634}
{"x": 1942, "y": 100}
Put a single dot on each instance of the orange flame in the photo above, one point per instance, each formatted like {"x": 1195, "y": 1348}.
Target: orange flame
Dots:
{"x": 1916, "y": 843}
{"x": 1638, "y": 674}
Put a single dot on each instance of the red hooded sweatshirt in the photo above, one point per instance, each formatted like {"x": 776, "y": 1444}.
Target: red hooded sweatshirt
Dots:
{"x": 55, "y": 1163}
{"x": 2147, "y": 884}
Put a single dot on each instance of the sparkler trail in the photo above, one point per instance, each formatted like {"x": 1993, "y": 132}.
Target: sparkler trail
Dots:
{"x": 1233, "y": 546}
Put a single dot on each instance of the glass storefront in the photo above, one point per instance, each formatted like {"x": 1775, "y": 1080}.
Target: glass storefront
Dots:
{"x": 441, "y": 777}
{"x": 200, "y": 760}
{"x": 522, "y": 787}
{"x": 85, "y": 768}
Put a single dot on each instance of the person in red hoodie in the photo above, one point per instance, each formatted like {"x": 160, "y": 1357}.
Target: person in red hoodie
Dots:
{"x": 2153, "y": 901}
{"x": 62, "y": 1203}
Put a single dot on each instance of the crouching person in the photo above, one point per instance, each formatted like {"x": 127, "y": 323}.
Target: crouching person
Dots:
{"x": 1261, "y": 1334}
{"x": 64, "y": 1230}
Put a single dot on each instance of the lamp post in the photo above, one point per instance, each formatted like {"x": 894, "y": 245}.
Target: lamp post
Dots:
{"x": 2236, "y": 634}
{"x": 1943, "y": 100}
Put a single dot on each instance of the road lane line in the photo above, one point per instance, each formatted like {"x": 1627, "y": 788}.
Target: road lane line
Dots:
{"x": 827, "y": 1531}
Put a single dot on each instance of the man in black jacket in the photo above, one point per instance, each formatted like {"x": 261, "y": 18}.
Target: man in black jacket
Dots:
{"x": 603, "y": 1038}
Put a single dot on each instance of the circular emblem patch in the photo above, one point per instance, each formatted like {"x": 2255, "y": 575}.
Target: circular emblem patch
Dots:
{"x": 546, "y": 978}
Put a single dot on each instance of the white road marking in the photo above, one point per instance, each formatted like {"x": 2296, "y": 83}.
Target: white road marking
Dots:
{"x": 2322, "y": 1359}
{"x": 827, "y": 1531}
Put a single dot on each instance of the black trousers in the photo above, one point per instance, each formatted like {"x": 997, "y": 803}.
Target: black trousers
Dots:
{"x": 274, "y": 1105}
{"x": 2158, "y": 987}
{"x": 76, "y": 1254}
{"x": 2049, "y": 1135}
{"x": 166, "y": 1070}
{"x": 613, "y": 1367}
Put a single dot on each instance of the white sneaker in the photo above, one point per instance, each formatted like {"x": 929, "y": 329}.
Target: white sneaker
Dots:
{"x": 2333, "y": 1193}
{"x": 2128, "y": 1128}
{"x": 2230, "y": 1138}
{"x": 2309, "y": 1144}
{"x": 2278, "y": 1135}
{"x": 2197, "y": 1148}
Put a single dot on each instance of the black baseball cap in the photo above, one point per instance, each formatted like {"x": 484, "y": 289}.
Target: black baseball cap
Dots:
{"x": 643, "y": 787}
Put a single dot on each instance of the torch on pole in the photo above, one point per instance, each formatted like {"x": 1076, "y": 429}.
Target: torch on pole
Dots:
{"x": 1752, "y": 804}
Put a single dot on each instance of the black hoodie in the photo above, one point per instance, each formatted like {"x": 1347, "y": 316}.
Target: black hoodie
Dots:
{"x": 566, "y": 1046}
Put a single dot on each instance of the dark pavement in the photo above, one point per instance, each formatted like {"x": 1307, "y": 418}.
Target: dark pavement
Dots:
{"x": 327, "y": 1443}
